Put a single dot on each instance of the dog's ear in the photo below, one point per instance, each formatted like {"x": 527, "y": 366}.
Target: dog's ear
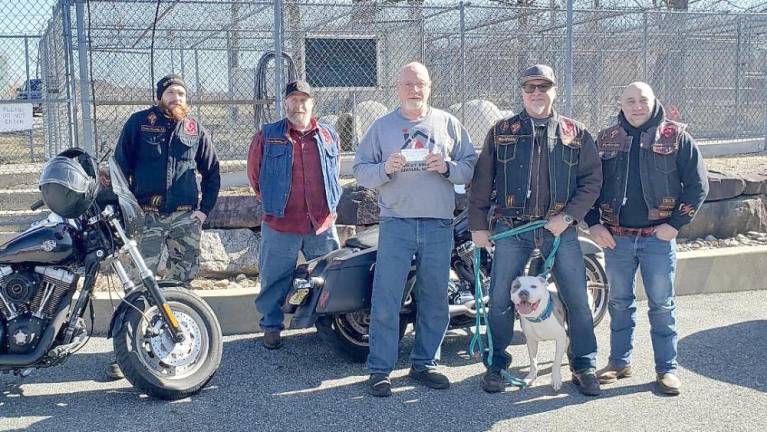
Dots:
{"x": 543, "y": 280}
{"x": 516, "y": 285}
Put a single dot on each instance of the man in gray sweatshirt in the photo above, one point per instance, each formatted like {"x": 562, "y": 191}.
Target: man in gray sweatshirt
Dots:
{"x": 413, "y": 156}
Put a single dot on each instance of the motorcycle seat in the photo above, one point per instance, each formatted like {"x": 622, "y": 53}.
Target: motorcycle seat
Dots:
{"x": 365, "y": 240}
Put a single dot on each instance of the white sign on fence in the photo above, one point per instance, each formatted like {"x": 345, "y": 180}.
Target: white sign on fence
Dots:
{"x": 15, "y": 117}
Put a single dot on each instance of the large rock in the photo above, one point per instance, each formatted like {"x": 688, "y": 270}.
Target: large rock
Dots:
{"x": 329, "y": 119}
{"x": 235, "y": 211}
{"x": 478, "y": 117}
{"x": 724, "y": 186}
{"x": 365, "y": 113}
{"x": 358, "y": 206}
{"x": 728, "y": 218}
{"x": 756, "y": 184}
{"x": 228, "y": 253}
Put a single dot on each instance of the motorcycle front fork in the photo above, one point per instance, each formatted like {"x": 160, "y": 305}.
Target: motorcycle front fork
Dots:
{"x": 147, "y": 277}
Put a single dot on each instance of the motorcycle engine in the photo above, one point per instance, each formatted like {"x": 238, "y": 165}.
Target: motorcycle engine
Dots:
{"x": 28, "y": 300}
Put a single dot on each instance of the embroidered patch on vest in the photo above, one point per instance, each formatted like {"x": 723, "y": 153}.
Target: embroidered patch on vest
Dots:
{"x": 667, "y": 203}
{"x": 663, "y": 149}
{"x": 610, "y": 146}
{"x": 567, "y": 128}
{"x": 326, "y": 136}
{"x": 687, "y": 209}
{"x": 668, "y": 131}
{"x": 658, "y": 214}
{"x": 150, "y": 128}
{"x": 509, "y": 200}
{"x": 506, "y": 139}
{"x": 152, "y": 118}
{"x": 515, "y": 127}
{"x": 190, "y": 127}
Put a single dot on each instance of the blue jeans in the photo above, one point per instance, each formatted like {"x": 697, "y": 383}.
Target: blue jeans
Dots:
{"x": 431, "y": 241}
{"x": 511, "y": 255}
{"x": 656, "y": 259}
{"x": 279, "y": 255}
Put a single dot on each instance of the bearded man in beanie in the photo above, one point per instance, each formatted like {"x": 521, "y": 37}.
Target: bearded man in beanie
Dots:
{"x": 160, "y": 151}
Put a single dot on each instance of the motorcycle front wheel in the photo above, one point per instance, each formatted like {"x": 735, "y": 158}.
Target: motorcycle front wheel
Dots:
{"x": 153, "y": 363}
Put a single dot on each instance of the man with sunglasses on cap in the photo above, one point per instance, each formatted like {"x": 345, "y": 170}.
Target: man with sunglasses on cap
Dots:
{"x": 294, "y": 168}
{"x": 537, "y": 165}
{"x": 160, "y": 152}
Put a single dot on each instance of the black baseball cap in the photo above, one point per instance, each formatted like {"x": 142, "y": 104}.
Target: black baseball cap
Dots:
{"x": 298, "y": 86}
{"x": 538, "y": 72}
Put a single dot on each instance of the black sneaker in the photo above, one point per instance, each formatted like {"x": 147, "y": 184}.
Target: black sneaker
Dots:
{"x": 379, "y": 385}
{"x": 430, "y": 378}
{"x": 492, "y": 381}
{"x": 114, "y": 373}
{"x": 587, "y": 382}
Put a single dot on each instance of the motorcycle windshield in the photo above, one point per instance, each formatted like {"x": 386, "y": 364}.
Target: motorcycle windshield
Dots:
{"x": 132, "y": 215}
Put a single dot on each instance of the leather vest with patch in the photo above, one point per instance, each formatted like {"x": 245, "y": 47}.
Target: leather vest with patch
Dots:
{"x": 661, "y": 184}
{"x": 514, "y": 141}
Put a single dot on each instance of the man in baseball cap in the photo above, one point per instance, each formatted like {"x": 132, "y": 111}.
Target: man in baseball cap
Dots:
{"x": 537, "y": 165}
{"x": 293, "y": 167}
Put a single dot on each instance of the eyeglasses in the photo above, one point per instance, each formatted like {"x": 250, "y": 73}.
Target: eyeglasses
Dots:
{"x": 417, "y": 84}
{"x": 530, "y": 88}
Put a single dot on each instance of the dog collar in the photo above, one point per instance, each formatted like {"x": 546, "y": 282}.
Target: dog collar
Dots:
{"x": 545, "y": 315}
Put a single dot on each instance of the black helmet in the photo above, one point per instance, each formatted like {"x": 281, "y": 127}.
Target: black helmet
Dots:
{"x": 67, "y": 188}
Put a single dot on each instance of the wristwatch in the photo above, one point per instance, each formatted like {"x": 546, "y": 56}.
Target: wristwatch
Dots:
{"x": 446, "y": 174}
{"x": 569, "y": 219}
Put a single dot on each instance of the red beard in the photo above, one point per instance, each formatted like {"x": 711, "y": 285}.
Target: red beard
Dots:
{"x": 178, "y": 112}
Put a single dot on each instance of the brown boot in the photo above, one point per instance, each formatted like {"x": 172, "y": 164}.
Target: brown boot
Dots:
{"x": 668, "y": 383}
{"x": 610, "y": 373}
{"x": 272, "y": 339}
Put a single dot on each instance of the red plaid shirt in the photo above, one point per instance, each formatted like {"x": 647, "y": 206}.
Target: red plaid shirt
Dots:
{"x": 307, "y": 207}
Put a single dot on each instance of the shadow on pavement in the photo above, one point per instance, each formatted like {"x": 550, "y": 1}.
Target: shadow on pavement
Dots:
{"x": 732, "y": 354}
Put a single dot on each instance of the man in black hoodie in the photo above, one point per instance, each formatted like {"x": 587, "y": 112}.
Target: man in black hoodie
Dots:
{"x": 654, "y": 183}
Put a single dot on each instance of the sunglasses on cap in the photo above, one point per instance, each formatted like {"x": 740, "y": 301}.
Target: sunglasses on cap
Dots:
{"x": 529, "y": 88}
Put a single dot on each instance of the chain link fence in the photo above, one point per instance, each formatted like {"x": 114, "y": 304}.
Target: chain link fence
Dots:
{"x": 708, "y": 69}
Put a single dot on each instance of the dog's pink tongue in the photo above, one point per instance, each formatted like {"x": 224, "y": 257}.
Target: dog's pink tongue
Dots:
{"x": 524, "y": 308}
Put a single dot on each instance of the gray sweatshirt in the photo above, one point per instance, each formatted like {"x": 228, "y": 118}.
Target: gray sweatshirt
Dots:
{"x": 415, "y": 192}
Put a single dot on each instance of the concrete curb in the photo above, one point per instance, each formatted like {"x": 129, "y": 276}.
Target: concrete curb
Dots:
{"x": 698, "y": 272}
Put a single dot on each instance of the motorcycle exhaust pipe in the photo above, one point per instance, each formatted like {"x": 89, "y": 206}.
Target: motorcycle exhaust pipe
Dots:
{"x": 42, "y": 345}
{"x": 467, "y": 308}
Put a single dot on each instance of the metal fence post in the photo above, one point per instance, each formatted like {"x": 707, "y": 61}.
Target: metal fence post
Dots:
{"x": 74, "y": 135}
{"x": 463, "y": 62}
{"x": 738, "y": 118}
{"x": 82, "y": 53}
{"x": 644, "y": 46}
{"x": 569, "y": 60}
{"x": 278, "y": 86}
{"x": 28, "y": 86}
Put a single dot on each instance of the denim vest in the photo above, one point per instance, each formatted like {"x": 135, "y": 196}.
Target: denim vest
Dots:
{"x": 276, "y": 173}
{"x": 661, "y": 184}
{"x": 514, "y": 146}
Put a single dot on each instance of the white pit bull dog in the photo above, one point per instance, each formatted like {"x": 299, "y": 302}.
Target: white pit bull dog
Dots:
{"x": 542, "y": 317}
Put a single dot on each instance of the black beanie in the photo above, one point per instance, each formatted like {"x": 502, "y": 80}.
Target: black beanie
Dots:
{"x": 167, "y": 81}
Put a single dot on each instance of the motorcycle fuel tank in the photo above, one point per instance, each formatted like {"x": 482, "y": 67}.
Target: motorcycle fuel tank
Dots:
{"x": 47, "y": 244}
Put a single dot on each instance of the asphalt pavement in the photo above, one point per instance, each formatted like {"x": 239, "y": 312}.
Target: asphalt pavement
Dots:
{"x": 306, "y": 387}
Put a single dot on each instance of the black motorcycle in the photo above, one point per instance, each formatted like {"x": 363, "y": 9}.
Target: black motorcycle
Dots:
{"x": 167, "y": 340}
{"x": 333, "y": 292}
